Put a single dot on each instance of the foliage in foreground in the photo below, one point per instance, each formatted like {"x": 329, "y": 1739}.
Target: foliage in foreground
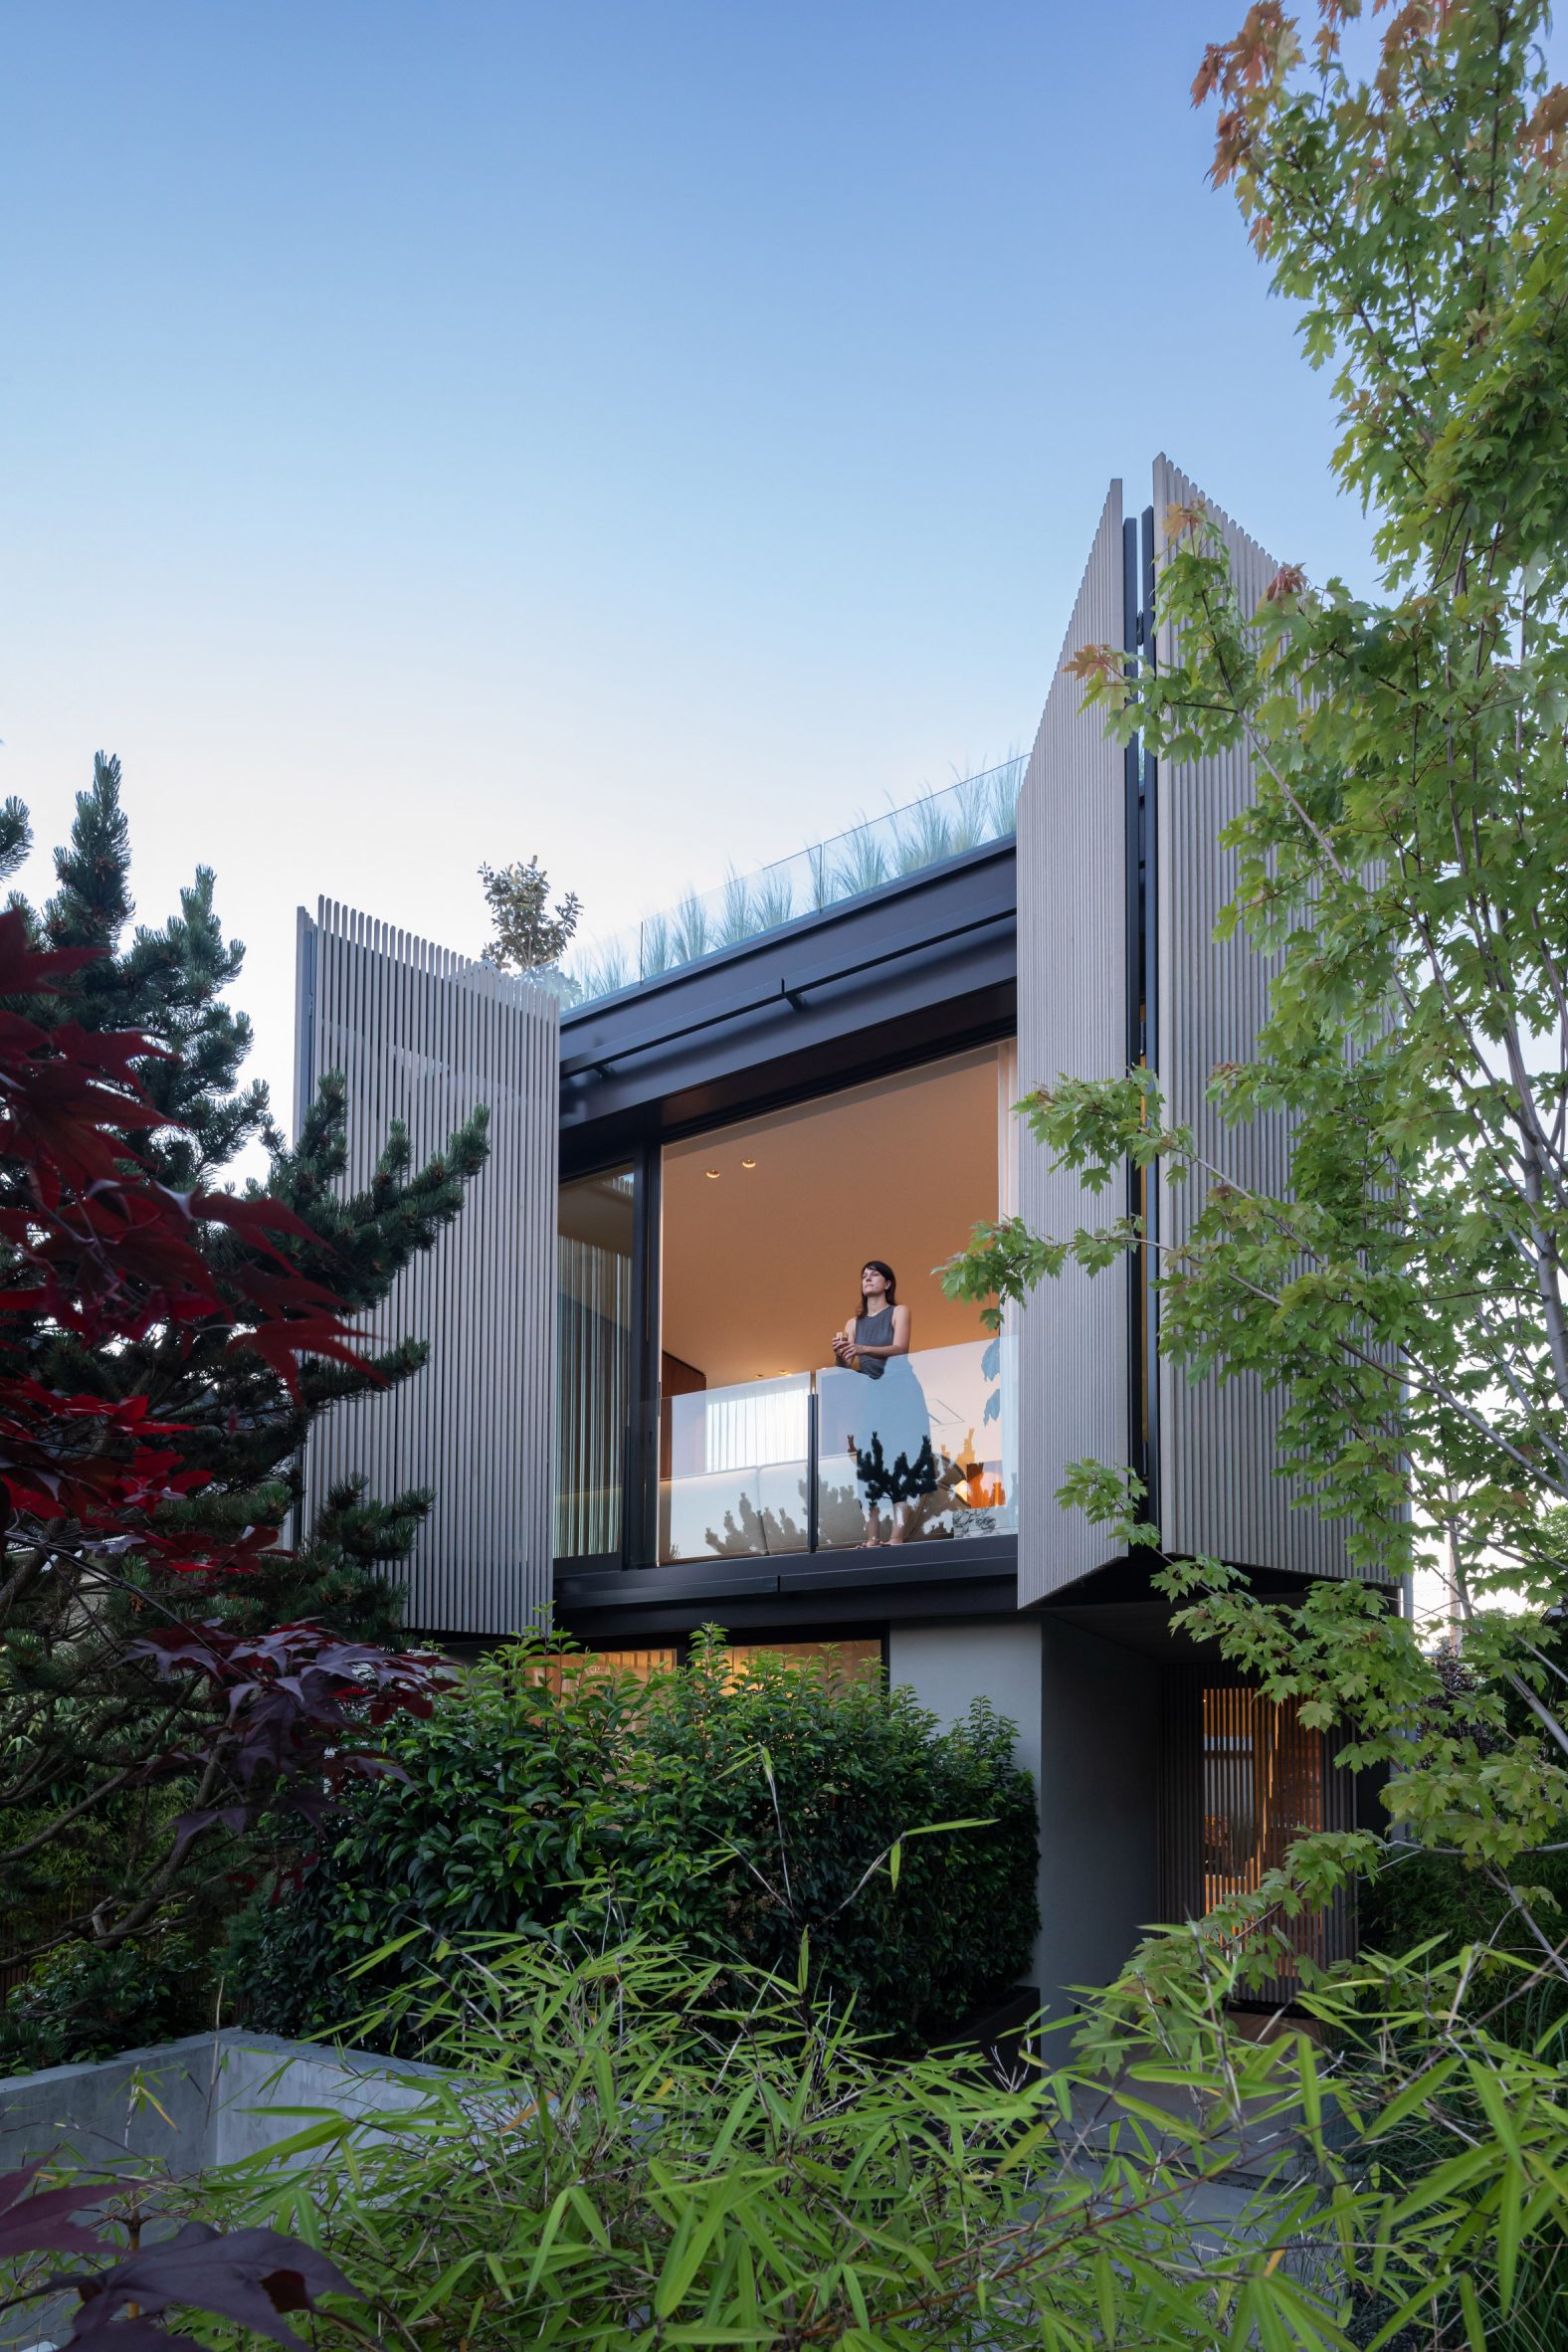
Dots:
{"x": 244, "y": 1425}
{"x": 1402, "y": 1291}
{"x": 111, "y": 1939}
{"x": 626, "y": 2152}
{"x": 733, "y": 1815}
{"x": 1404, "y": 859}
{"x": 124, "y": 1689}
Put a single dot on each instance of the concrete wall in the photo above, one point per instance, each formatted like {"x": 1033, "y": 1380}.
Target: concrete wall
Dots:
{"x": 1087, "y": 1716}
{"x": 1099, "y": 1811}
{"x": 947, "y": 1665}
{"x": 182, "y": 2106}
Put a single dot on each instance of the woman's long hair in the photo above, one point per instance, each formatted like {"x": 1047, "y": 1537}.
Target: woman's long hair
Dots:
{"x": 891, "y": 1295}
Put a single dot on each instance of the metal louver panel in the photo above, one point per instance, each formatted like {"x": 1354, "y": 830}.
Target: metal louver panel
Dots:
{"x": 1219, "y": 1492}
{"x": 423, "y": 1035}
{"x": 1072, "y": 1018}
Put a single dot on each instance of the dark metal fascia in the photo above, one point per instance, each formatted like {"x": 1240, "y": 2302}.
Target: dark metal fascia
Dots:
{"x": 771, "y": 1616}
{"x": 792, "y": 993}
{"x": 799, "y": 931}
{"x": 982, "y": 1558}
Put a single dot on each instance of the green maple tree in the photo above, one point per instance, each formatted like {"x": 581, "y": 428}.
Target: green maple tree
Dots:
{"x": 1403, "y": 861}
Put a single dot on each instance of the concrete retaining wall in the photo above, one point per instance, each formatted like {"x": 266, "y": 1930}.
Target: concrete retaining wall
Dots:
{"x": 182, "y": 2106}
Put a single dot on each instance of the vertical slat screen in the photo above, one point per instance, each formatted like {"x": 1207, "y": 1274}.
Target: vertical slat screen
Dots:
{"x": 1071, "y": 1017}
{"x": 1241, "y": 1779}
{"x": 1219, "y": 1492}
{"x": 423, "y": 1035}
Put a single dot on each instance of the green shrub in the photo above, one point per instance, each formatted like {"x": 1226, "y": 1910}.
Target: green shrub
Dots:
{"x": 79, "y": 2000}
{"x": 732, "y": 1817}
{"x": 1419, "y": 1897}
{"x": 88, "y": 2001}
{"x": 617, "y": 2158}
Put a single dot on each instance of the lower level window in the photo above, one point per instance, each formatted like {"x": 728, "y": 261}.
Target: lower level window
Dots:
{"x": 858, "y": 1660}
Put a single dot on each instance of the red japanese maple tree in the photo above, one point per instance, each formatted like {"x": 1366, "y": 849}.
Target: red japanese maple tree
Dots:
{"x": 106, "y": 1608}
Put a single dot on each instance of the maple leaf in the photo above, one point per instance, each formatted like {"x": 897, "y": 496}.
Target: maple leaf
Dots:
{"x": 248, "y": 2276}
{"x": 1184, "y": 521}
{"x": 1094, "y": 661}
{"x": 41, "y": 2222}
{"x": 1542, "y": 136}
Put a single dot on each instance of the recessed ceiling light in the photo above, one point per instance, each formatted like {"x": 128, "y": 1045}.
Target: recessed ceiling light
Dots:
{"x": 748, "y": 1163}
{"x": 710, "y": 1172}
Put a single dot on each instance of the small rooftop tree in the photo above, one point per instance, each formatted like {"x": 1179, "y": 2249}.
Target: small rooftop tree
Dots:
{"x": 529, "y": 937}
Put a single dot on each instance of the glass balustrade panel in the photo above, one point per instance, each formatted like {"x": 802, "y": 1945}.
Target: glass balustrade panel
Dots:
{"x": 921, "y": 1453}
{"x": 904, "y": 841}
{"x": 735, "y": 1474}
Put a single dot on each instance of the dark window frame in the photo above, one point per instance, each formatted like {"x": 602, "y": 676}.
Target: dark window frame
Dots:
{"x": 638, "y": 1547}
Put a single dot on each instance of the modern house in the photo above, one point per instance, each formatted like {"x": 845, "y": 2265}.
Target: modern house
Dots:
{"x": 633, "y": 1414}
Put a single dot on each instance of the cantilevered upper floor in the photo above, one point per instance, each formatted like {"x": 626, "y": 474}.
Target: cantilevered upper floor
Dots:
{"x": 633, "y": 1389}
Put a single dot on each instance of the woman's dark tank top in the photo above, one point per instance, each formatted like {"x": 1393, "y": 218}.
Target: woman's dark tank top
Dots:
{"x": 875, "y": 1331}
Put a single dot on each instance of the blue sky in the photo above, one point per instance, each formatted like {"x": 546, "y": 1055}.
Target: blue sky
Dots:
{"x": 646, "y": 432}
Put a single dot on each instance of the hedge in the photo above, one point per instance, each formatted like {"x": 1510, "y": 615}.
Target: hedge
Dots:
{"x": 780, "y": 1820}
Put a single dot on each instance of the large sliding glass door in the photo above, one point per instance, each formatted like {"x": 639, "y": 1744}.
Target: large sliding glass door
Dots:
{"x": 766, "y": 1445}
{"x": 717, "y": 1423}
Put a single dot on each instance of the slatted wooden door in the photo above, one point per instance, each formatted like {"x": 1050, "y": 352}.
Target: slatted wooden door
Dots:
{"x": 1241, "y": 1778}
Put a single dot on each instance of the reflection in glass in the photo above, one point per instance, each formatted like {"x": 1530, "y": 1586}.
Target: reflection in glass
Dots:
{"x": 938, "y": 1446}
{"x": 735, "y": 1470}
{"x": 740, "y": 1468}
{"x": 762, "y": 1230}
{"x": 593, "y": 1361}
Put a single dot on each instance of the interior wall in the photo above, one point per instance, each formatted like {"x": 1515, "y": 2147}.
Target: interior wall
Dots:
{"x": 761, "y": 1264}
{"x": 1099, "y": 1765}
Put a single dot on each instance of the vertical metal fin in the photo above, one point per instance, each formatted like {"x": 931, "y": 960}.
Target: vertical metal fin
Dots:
{"x": 1219, "y": 1491}
{"x": 422, "y": 1036}
{"x": 1072, "y": 1018}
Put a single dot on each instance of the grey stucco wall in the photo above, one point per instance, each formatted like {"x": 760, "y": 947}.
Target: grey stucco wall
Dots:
{"x": 1088, "y": 1712}
{"x": 1100, "y": 1808}
{"x": 947, "y": 1665}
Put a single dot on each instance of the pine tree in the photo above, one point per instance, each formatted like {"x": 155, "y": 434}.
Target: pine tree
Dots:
{"x": 244, "y": 1429}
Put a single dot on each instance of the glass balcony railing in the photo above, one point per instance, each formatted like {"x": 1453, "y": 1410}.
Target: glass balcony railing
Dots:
{"x": 836, "y": 1460}
{"x": 964, "y": 816}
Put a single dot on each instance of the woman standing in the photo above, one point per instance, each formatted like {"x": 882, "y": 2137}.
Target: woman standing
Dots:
{"x": 897, "y": 1466}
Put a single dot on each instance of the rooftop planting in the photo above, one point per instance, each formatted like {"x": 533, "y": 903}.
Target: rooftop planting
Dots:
{"x": 964, "y": 816}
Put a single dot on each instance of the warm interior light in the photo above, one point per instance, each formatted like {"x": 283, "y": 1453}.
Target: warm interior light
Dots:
{"x": 748, "y": 1163}
{"x": 711, "y": 1171}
